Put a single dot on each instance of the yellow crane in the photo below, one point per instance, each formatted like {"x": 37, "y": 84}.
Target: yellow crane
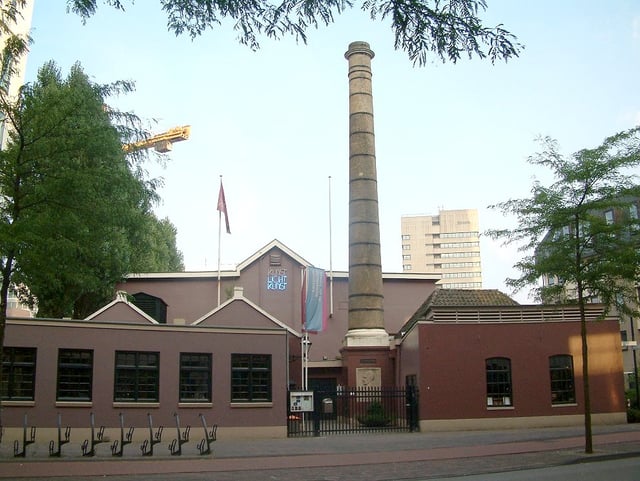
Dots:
{"x": 162, "y": 142}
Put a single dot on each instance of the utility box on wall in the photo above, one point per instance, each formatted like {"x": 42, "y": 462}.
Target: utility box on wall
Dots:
{"x": 301, "y": 401}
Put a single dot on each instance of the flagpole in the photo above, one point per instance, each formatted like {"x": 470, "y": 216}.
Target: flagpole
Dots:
{"x": 219, "y": 239}
{"x": 330, "y": 257}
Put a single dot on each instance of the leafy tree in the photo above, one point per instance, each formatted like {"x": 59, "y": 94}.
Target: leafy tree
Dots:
{"x": 68, "y": 194}
{"x": 448, "y": 29}
{"x": 568, "y": 237}
{"x": 155, "y": 248}
{"x": 75, "y": 212}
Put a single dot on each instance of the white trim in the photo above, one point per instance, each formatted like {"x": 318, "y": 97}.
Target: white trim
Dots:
{"x": 255, "y": 256}
{"x": 274, "y": 243}
{"x": 121, "y": 326}
{"x": 244, "y": 405}
{"x": 240, "y": 298}
{"x": 121, "y": 299}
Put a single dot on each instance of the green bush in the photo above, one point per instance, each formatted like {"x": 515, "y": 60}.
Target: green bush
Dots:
{"x": 375, "y": 416}
{"x": 633, "y": 415}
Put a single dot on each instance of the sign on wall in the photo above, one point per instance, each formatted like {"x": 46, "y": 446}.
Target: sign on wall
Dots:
{"x": 277, "y": 279}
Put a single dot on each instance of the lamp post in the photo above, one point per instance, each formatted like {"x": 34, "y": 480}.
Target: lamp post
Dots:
{"x": 306, "y": 347}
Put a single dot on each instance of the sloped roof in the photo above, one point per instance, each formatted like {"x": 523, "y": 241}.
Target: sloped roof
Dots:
{"x": 274, "y": 243}
{"x": 227, "y": 273}
{"x": 469, "y": 297}
{"x": 121, "y": 309}
{"x": 238, "y": 296}
{"x": 460, "y": 298}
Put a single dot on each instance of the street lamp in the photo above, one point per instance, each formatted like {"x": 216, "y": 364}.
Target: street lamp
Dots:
{"x": 306, "y": 347}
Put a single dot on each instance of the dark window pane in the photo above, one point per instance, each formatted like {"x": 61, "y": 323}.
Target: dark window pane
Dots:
{"x": 18, "y": 373}
{"x": 137, "y": 376}
{"x": 195, "y": 377}
{"x": 498, "y": 372}
{"x": 561, "y": 376}
{"x": 75, "y": 375}
{"x": 251, "y": 377}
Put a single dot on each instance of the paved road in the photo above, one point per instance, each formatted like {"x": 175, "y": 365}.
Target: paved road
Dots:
{"x": 614, "y": 470}
{"x": 384, "y": 457}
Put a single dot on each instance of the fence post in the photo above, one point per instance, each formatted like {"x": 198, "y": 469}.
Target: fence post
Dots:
{"x": 316, "y": 414}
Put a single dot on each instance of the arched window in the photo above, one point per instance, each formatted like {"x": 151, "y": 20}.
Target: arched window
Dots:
{"x": 561, "y": 375}
{"x": 499, "y": 391}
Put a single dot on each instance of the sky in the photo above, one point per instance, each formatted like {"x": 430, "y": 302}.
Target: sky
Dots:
{"x": 274, "y": 123}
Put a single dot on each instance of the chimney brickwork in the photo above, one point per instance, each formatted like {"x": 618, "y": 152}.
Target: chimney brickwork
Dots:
{"x": 366, "y": 312}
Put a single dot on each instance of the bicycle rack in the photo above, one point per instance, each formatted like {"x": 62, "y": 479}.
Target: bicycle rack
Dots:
{"x": 62, "y": 440}
{"x": 95, "y": 439}
{"x": 154, "y": 438}
{"x": 26, "y": 440}
{"x": 176, "y": 445}
{"x": 124, "y": 439}
{"x": 204, "y": 446}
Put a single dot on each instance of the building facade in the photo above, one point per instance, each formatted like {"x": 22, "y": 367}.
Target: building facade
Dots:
{"x": 447, "y": 244}
{"x": 482, "y": 361}
{"x": 165, "y": 348}
{"x": 627, "y": 215}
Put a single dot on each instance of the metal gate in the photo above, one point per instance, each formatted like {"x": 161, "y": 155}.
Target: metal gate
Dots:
{"x": 346, "y": 410}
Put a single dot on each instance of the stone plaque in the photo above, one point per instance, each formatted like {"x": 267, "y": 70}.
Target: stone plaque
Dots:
{"x": 369, "y": 377}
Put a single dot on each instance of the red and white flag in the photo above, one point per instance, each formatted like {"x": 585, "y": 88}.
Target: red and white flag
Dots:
{"x": 222, "y": 207}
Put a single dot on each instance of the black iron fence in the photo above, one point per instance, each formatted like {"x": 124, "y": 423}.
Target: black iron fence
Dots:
{"x": 352, "y": 410}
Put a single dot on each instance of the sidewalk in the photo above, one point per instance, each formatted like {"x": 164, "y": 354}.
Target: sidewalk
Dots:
{"x": 355, "y": 457}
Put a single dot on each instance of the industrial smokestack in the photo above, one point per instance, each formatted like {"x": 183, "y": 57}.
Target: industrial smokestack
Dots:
{"x": 366, "y": 314}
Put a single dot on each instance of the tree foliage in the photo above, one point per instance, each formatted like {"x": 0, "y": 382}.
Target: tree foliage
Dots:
{"x": 15, "y": 45}
{"x": 581, "y": 231}
{"x": 76, "y": 212}
{"x": 562, "y": 227}
{"x": 447, "y": 29}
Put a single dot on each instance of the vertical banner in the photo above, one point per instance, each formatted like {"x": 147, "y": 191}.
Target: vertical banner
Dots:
{"x": 314, "y": 299}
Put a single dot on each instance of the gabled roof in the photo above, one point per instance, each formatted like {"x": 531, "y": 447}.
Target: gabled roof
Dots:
{"x": 122, "y": 301}
{"x": 239, "y": 297}
{"x": 274, "y": 243}
{"x": 228, "y": 273}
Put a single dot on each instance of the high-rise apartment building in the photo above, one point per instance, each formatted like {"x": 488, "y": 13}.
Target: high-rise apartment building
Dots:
{"x": 447, "y": 244}
{"x": 11, "y": 82}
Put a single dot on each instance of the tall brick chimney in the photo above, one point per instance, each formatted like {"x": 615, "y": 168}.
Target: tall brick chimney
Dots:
{"x": 366, "y": 313}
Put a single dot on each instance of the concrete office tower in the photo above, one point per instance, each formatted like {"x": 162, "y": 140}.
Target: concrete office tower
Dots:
{"x": 12, "y": 84}
{"x": 447, "y": 244}
{"x": 366, "y": 315}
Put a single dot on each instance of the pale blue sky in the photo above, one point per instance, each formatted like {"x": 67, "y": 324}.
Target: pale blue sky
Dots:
{"x": 274, "y": 122}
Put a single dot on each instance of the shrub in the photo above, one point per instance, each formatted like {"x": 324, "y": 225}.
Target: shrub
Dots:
{"x": 375, "y": 416}
{"x": 633, "y": 415}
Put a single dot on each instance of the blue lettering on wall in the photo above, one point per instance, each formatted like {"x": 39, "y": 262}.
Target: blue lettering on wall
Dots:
{"x": 277, "y": 279}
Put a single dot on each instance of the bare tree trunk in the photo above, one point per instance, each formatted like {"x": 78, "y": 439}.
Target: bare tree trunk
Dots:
{"x": 4, "y": 294}
{"x": 588, "y": 434}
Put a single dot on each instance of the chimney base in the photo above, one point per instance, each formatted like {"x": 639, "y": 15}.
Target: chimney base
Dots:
{"x": 366, "y": 338}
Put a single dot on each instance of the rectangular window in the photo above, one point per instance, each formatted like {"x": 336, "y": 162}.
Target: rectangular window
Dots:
{"x": 406, "y": 236}
{"x": 499, "y": 382}
{"x": 18, "y": 373}
{"x": 250, "y": 377}
{"x": 137, "y": 376}
{"x": 195, "y": 377}
{"x": 561, "y": 374}
{"x": 608, "y": 217}
{"x": 75, "y": 375}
